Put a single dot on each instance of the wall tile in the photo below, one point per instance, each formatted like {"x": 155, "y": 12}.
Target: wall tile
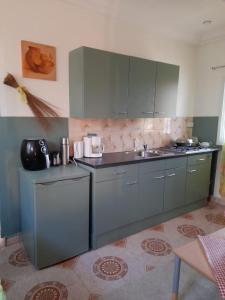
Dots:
{"x": 123, "y": 134}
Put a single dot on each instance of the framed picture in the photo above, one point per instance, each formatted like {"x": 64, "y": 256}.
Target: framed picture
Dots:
{"x": 38, "y": 61}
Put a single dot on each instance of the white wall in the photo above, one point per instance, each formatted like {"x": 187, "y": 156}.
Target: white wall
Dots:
{"x": 210, "y": 84}
{"x": 67, "y": 27}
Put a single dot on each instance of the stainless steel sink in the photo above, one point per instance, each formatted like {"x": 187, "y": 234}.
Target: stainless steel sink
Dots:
{"x": 153, "y": 153}
{"x": 149, "y": 153}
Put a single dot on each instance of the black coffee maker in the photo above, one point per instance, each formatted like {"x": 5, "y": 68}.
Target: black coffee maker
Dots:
{"x": 34, "y": 154}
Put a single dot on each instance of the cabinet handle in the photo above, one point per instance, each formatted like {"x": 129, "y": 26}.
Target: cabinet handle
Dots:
{"x": 61, "y": 181}
{"x": 120, "y": 173}
{"x": 171, "y": 175}
{"x": 147, "y": 112}
{"x": 122, "y": 113}
{"x": 159, "y": 177}
{"x": 202, "y": 159}
{"x": 192, "y": 171}
{"x": 159, "y": 113}
{"x": 131, "y": 183}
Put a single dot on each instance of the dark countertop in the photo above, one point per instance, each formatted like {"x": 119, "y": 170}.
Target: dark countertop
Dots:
{"x": 131, "y": 157}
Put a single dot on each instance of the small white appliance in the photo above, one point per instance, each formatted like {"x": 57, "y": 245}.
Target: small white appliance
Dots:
{"x": 93, "y": 146}
{"x": 78, "y": 149}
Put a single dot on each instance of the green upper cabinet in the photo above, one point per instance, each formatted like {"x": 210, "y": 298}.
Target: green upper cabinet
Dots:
{"x": 98, "y": 82}
{"x": 142, "y": 75}
{"x": 109, "y": 85}
{"x": 166, "y": 90}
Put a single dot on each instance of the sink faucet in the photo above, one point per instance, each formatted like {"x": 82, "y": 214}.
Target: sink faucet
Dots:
{"x": 135, "y": 144}
{"x": 145, "y": 146}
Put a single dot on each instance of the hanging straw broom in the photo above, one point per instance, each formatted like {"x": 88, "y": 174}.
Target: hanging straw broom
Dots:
{"x": 38, "y": 106}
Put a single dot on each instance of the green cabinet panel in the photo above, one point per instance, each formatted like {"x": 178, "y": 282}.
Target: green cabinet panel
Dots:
{"x": 175, "y": 184}
{"x": 142, "y": 77}
{"x": 54, "y": 214}
{"x": 193, "y": 189}
{"x": 67, "y": 219}
{"x": 127, "y": 198}
{"x": 112, "y": 173}
{"x": 98, "y": 82}
{"x": 151, "y": 194}
{"x": 205, "y": 179}
{"x": 103, "y": 84}
{"x": 114, "y": 204}
{"x": 166, "y": 90}
{"x": 198, "y": 177}
{"x": 199, "y": 159}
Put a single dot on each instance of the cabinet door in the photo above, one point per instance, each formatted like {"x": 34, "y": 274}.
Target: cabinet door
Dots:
{"x": 105, "y": 83}
{"x": 114, "y": 204}
{"x": 198, "y": 180}
{"x": 119, "y": 70}
{"x": 205, "y": 179}
{"x": 141, "y": 87}
{"x": 193, "y": 185}
{"x": 62, "y": 220}
{"x": 166, "y": 90}
{"x": 151, "y": 193}
{"x": 175, "y": 184}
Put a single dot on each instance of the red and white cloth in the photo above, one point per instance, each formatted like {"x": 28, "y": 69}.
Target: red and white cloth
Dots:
{"x": 214, "y": 248}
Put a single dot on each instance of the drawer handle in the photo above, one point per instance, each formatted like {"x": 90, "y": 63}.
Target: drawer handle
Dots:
{"x": 202, "y": 159}
{"x": 159, "y": 177}
{"x": 171, "y": 175}
{"x": 192, "y": 171}
{"x": 131, "y": 183}
{"x": 122, "y": 113}
{"x": 61, "y": 181}
{"x": 159, "y": 113}
{"x": 120, "y": 173}
{"x": 147, "y": 112}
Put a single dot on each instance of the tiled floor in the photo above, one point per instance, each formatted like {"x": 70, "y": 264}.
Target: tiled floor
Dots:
{"x": 139, "y": 267}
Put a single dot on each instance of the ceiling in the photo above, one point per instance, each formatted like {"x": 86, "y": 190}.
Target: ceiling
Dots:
{"x": 178, "y": 19}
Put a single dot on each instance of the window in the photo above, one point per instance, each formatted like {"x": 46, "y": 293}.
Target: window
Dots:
{"x": 221, "y": 135}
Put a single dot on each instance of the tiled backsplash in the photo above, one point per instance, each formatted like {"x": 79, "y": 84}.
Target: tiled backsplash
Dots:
{"x": 124, "y": 134}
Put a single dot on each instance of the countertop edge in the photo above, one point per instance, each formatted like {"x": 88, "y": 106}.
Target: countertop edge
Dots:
{"x": 141, "y": 159}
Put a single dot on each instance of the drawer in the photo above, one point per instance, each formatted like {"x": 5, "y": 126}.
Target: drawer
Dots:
{"x": 199, "y": 158}
{"x": 148, "y": 167}
{"x": 176, "y": 162}
{"x": 118, "y": 172}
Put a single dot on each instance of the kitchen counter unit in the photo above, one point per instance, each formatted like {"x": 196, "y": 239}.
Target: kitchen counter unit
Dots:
{"x": 132, "y": 157}
{"x": 130, "y": 193}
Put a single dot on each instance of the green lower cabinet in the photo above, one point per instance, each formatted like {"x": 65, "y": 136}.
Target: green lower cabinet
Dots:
{"x": 151, "y": 194}
{"x": 198, "y": 179}
{"x": 129, "y": 198}
{"x": 205, "y": 179}
{"x": 175, "y": 182}
{"x": 114, "y": 204}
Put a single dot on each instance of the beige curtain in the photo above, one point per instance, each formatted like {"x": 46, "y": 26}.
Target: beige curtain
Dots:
{"x": 222, "y": 173}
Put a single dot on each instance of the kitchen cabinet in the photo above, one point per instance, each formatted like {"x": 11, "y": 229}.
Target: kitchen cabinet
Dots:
{"x": 142, "y": 76}
{"x": 104, "y": 84}
{"x": 131, "y": 197}
{"x": 54, "y": 214}
{"x": 151, "y": 189}
{"x": 175, "y": 183}
{"x": 151, "y": 194}
{"x": 115, "y": 199}
{"x": 98, "y": 83}
{"x": 198, "y": 177}
{"x": 161, "y": 190}
{"x": 166, "y": 90}
{"x": 174, "y": 192}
